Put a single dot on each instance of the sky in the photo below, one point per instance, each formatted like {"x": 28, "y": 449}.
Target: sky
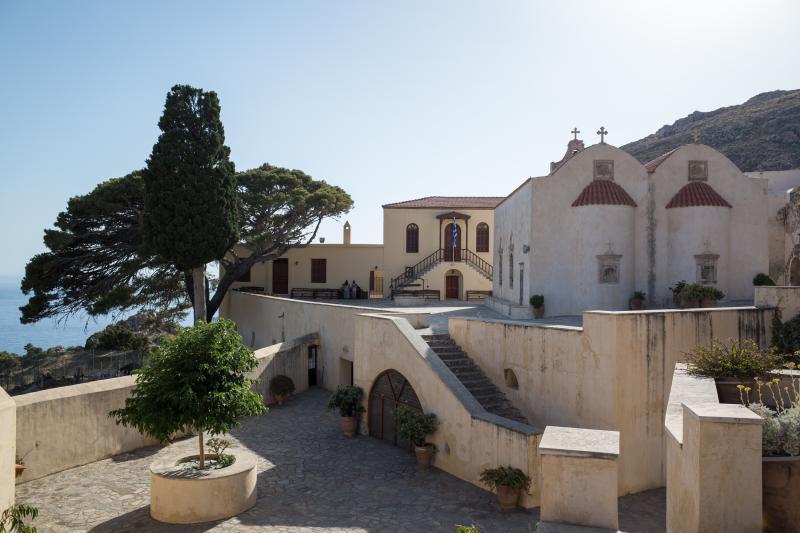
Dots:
{"x": 389, "y": 100}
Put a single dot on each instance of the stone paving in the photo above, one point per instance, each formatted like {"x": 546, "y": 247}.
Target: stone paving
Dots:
{"x": 311, "y": 479}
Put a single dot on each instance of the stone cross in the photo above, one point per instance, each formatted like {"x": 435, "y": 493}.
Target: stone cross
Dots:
{"x": 610, "y": 250}
{"x": 602, "y": 132}
{"x": 707, "y": 245}
{"x": 696, "y": 135}
{"x": 575, "y": 132}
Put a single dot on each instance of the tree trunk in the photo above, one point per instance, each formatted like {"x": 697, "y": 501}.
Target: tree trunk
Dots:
{"x": 199, "y": 285}
{"x": 202, "y": 449}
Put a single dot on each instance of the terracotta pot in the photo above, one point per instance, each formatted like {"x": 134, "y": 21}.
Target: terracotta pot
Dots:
{"x": 280, "y": 398}
{"x": 538, "y": 312}
{"x": 708, "y": 302}
{"x": 635, "y": 304}
{"x": 424, "y": 455}
{"x": 780, "y": 478}
{"x": 348, "y": 425}
{"x": 507, "y": 497}
{"x": 690, "y": 304}
{"x": 19, "y": 469}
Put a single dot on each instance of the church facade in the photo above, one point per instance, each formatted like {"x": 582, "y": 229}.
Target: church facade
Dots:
{"x": 601, "y": 226}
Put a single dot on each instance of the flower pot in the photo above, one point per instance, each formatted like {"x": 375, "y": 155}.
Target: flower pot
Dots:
{"x": 19, "y": 469}
{"x": 708, "y": 302}
{"x": 280, "y": 399}
{"x": 728, "y": 391}
{"x": 507, "y": 497}
{"x": 780, "y": 478}
{"x": 635, "y": 304}
{"x": 348, "y": 425}
{"x": 538, "y": 312}
{"x": 690, "y": 304}
{"x": 424, "y": 455}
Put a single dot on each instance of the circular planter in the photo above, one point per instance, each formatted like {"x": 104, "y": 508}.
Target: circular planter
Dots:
{"x": 424, "y": 456}
{"x": 507, "y": 497}
{"x": 181, "y": 496}
{"x": 708, "y": 302}
{"x": 538, "y": 312}
{"x": 349, "y": 425}
{"x": 635, "y": 304}
{"x": 780, "y": 478}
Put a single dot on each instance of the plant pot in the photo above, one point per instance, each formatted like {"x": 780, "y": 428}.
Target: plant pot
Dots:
{"x": 18, "y": 469}
{"x": 780, "y": 478}
{"x": 708, "y": 302}
{"x": 424, "y": 455}
{"x": 538, "y": 312}
{"x": 280, "y": 399}
{"x": 728, "y": 392}
{"x": 635, "y": 304}
{"x": 348, "y": 425}
{"x": 690, "y": 304}
{"x": 507, "y": 497}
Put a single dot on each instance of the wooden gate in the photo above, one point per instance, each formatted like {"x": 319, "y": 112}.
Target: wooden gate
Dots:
{"x": 390, "y": 391}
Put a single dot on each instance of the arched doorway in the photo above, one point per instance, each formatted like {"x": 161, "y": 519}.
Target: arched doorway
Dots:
{"x": 390, "y": 391}
{"x": 452, "y": 242}
{"x": 794, "y": 271}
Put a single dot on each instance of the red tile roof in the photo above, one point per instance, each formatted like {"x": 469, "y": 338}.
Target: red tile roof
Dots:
{"x": 603, "y": 192}
{"x": 449, "y": 202}
{"x": 697, "y": 193}
{"x": 651, "y": 166}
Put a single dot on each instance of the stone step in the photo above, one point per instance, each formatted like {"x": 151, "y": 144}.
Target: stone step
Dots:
{"x": 452, "y": 356}
{"x": 460, "y": 362}
{"x": 437, "y": 337}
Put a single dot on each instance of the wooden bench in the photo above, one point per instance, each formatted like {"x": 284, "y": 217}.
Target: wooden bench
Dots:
{"x": 427, "y": 294}
{"x": 478, "y": 295}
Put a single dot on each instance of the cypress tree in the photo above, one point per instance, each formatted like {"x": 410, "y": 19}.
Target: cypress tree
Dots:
{"x": 190, "y": 215}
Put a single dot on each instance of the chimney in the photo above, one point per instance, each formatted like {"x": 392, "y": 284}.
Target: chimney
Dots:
{"x": 346, "y": 238}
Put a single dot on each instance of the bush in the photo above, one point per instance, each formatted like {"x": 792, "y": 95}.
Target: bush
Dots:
{"x": 740, "y": 359}
{"x": 413, "y": 426}
{"x": 281, "y": 385}
{"x": 116, "y": 337}
{"x": 678, "y": 287}
{"x": 508, "y": 476}
{"x": 762, "y": 279}
{"x": 537, "y": 301}
{"x": 786, "y": 336}
{"x": 347, "y": 399}
{"x": 467, "y": 529}
{"x": 639, "y": 295}
{"x": 781, "y": 430}
{"x": 693, "y": 292}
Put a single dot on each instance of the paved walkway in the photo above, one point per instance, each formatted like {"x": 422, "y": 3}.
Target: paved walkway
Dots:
{"x": 311, "y": 479}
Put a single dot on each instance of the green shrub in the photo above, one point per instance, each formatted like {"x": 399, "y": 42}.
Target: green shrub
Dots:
{"x": 740, "y": 359}
{"x": 413, "y": 426}
{"x": 537, "y": 301}
{"x": 12, "y": 520}
{"x": 639, "y": 295}
{"x": 678, "y": 287}
{"x": 786, "y": 336}
{"x": 781, "y": 430}
{"x": 511, "y": 477}
{"x": 762, "y": 279}
{"x": 281, "y": 385}
{"x": 694, "y": 292}
{"x": 467, "y": 529}
{"x": 218, "y": 447}
{"x": 347, "y": 399}
{"x": 116, "y": 337}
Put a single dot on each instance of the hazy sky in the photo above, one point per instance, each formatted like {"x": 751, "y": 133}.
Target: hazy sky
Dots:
{"x": 390, "y": 100}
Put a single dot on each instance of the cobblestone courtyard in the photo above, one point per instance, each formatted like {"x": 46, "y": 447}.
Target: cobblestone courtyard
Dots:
{"x": 311, "y": 478}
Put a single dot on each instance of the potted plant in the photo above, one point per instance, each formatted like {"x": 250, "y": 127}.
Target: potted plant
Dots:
{"x": 635, "y": 303}
{"x": 508, "y": 482}
{"x": 762, "y": 279}
{"x": 676, "y": 292}
{"x": 780, "y": 448}
{"x": 710, "y": 297}
{"x": 413, "y": 426}
{"x": 731, "y": 364}
{"x": 197, "y": 381}
{"x": 690, "y": 295}
{"x": 281, "y": 387}
{"x": 537, "y": 302}
{"x": 347, "y": 399}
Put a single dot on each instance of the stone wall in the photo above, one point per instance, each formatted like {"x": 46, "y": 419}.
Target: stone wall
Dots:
{"x": 8, "y": 449}
{"x": 786, "y": 298}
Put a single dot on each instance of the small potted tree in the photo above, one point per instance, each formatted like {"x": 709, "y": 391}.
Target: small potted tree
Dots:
{"x": 710, "y": 297}
{"x": 347, "y": 399}
{"x": 197, "y": 381}
{"x": 691, "y": 294}
{"x": 676, "y": 292}
{"x": 508, "y": 482}
{"x": 537, "y": 302}
{"x": 636, "y": 303}
{"x": 413, "y": 426}
{"x": 281, "y": 387}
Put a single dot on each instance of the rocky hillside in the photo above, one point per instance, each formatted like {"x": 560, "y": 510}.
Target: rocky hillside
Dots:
{"x": 761, "y": 134}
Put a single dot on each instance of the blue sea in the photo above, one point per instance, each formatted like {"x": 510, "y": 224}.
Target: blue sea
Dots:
{"x": 45, "y": 333}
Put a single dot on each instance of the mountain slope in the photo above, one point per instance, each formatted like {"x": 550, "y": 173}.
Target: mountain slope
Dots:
{"x": 761, "y": 134}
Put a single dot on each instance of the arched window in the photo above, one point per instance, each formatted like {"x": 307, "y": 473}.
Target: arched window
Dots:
{"x": 482, "y": 237}
{"x": 412, "y": 239}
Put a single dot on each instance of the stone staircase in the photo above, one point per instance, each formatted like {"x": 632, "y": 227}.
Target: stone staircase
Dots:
{"x": 488, "y": 395}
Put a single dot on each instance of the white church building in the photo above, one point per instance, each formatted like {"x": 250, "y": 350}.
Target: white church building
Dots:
{"x": 601, "y": 225}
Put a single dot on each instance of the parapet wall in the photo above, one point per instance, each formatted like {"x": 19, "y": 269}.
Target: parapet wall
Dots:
{"x": 8, "y": 449}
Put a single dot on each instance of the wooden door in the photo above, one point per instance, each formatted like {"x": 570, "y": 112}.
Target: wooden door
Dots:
{"x": 280, "y": 276}
{"x": 312, "y": 366}
{"x": 452, "y": 243}
{"x": 451, "y": 291}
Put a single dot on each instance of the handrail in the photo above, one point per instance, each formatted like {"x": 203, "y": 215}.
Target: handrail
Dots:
{"x": 478, "y": 262}
{"x": 466, "y": 255}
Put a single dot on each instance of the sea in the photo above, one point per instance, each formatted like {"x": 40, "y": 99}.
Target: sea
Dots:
{"x": 46, "y": 333}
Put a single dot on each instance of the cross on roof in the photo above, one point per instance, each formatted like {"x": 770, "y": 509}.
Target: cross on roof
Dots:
{"x": 602, "y": 132}
{"x": 696, "y": 135}
{"x": 575, "y": 132}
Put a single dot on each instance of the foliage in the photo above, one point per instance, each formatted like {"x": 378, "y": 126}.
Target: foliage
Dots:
{"x": 217, "y": 446}
{"x": 116, "y": 337}
{"x": 413, "y": 426}
{"x": 786, "y": 336}
{"x": 693, "y": 292}
{"x": 537, "y": 301}
{"x": 13, "y": 519}
{"x": 762, "y": 279}
{"x": 741, "y": 359}
{"x": 781, "y": 429}
{"x": 508, "y": 476}
{"x": 639, "y": 295}
{"x": 467, "y": 529}
{"x": 95, "y": 260}
{"x": 281, "y": 385}
{"x": 678, "y": 287}
{"x": 9, "y": 363}
{"x": 347, "y": 398}
{"x": 196, "y": 380}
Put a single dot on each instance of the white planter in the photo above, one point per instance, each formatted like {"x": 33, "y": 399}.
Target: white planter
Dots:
{"x": 180, "y": 496}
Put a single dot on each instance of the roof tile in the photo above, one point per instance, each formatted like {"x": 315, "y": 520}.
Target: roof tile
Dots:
{"x": 697, "y": 193}
{"x": 603, "y": 192}
{"x": 449, "y": 202}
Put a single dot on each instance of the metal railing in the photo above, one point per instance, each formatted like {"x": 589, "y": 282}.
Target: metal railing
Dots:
{"x": 463, "y": 255}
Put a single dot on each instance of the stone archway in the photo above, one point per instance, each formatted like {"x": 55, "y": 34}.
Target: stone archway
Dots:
{"x": 389, "y": 391}
{"x": 794, "y": 271}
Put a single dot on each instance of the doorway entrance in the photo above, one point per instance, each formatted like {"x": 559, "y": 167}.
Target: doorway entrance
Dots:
{"x": 451, "y": 287}
{"x": 794, "y": 271}
{"x": 312, "y": 366}
{"x": 280, "y": 276}
{"x": 452, "y": 243}
{"x": 390, "y": 391}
